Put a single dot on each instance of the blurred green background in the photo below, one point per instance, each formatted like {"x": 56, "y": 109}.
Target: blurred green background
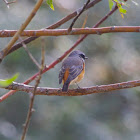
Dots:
{"x": 112, "y": 58}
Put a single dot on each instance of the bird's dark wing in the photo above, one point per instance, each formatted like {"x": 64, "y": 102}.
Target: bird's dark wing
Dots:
{"x": 74, "y": 71}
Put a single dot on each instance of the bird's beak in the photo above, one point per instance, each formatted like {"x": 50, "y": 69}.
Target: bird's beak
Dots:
{"x": 86, "y": 57}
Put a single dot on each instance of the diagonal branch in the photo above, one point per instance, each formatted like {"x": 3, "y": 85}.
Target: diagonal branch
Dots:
{"x": 5, "y": 96}
{"x": 74, "y": 92}
{"x": 29, "y": 54}
{"x": 75, "y": 31}
{"x": 79, "y": 13}
{"x": 4, "y": 52}
{"x": 56, "y": 25}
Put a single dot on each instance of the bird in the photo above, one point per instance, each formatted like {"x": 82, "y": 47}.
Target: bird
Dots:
{"x": 72, "y": 69}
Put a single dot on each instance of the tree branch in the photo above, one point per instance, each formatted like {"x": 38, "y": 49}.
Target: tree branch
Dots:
{"x": 79, "y": 13}
{"x": 18, "y": 33}
{"x": 73, "y": 92}
{"x": 29, "y": 54}
{"x": 56, "y": 25}
{"x": 33, "y": 95}
{"x": 8, "y": 3}
{"x": 74, "y": 31}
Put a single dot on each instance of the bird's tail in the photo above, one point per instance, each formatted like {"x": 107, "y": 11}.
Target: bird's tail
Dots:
{"x": 65, "y": 87}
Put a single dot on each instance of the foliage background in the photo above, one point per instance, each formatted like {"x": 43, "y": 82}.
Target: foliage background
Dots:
{"x": 112, "y": 58}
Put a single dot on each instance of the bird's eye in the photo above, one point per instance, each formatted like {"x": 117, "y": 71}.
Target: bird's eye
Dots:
{"x": 82, "y": 56}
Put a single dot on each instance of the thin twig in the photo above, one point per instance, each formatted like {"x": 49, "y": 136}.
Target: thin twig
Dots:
{"x": 79, "y": 13}
{"x": 4, "y": 52}
{"x": 33, "y": 95}
{"x": 56, "y": 25}
{"x": 5, "y": 96}
{"x": 8, "y": 3}
{"x": 84, "y": 23}
{"x": 74, "y": 92}
{"x": 28, "y": 52}
{"x": 75, "y": 31}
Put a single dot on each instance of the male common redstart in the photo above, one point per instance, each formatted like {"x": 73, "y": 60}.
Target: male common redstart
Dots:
{"x": 72, "y": 69}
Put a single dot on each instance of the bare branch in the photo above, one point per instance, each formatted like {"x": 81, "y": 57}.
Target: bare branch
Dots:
{"x": 84, "y": 23}
{"x": 74, "y": 31}
{"x": 28, "y": 52}
{"x": 33, "y": 95}
{"x": 8, "y": 3}
{"x": 79, "y": 13}
{"x": 23, "y": 26}
{"x": 74, "y": 92}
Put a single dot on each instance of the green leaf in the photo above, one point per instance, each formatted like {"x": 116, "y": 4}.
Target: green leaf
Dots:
{"x": 110, "y": 4}
{"x": 123, "y": 10}
{"x": 50, "y": 3}
{"x": 117, "y": 1}
{"x": 7, "y": 82}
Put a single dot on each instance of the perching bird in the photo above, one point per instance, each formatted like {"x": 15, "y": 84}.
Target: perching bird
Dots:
{"x": 72, "y": 69}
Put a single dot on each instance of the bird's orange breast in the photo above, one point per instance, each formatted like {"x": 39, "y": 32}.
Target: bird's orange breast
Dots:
{"x": 79, "y": 77}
